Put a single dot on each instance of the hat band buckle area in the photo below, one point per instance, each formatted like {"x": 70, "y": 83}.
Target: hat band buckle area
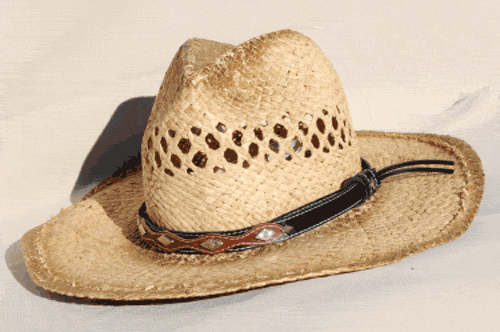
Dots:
{"x": 353, "y": 193}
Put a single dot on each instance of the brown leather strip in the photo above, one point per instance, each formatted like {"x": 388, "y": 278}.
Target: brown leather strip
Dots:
{"x": 212, "y": 243}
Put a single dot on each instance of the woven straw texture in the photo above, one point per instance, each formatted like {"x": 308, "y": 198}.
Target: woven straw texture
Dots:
{"x": 92, "y": 249}
{"x": 246, "y": 138}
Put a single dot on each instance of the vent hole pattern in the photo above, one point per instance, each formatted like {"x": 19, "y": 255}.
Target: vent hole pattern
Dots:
{"x": 321, "y": 126}
{"x": 331, "y": 139}
{"x": 212, "y": 142}
{"x": 258, "y": 133}
{"x": 200, "y": 159}
{"x": 237, "y": 137}
{"x": 184, "y": 145}
{"x": 221, "y": 127}
{"x": 253, "y": 150}
{"x": 157, "y": 159}
{"x": 315, "y": 141}
{"x": 219, "y": 170}
{"x": 304, "y": 128}
{"x": 335, "y": 123}
{"x": 157, "y": 130}
{"x": 274, "y": 146}
{"x": 280, "y": 130}
{"x": 196, "y": 131}
{"x": 296, "y": 144}
{"x": 231, "y": 156}
{"x": 164, "y": 144}
{"x": 176, "y": 161}
{"x": 150, "y": 143}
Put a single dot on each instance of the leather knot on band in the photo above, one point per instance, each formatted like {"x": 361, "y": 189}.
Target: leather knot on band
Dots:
{"x": 353, "y": 192}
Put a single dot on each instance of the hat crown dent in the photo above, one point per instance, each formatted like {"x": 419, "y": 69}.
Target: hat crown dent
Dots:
{"x": 240, "y": 135}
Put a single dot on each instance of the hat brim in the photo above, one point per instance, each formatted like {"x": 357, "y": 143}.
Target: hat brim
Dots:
{"x": 92, "y": 249}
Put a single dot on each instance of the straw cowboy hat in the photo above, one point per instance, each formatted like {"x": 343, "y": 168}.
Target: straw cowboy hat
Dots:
{"x": 251, "y": 175}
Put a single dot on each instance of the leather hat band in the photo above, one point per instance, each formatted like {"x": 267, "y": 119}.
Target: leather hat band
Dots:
{"x": 353, "y": 192}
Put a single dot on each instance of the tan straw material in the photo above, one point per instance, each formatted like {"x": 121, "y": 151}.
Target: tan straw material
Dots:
{"x": 238, "y": 136}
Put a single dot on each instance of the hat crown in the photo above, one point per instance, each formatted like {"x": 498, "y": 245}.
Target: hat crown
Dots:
{"x": 240, "y": 135}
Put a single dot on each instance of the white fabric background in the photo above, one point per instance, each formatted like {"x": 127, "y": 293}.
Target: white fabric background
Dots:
{"x": 424, "y": 66}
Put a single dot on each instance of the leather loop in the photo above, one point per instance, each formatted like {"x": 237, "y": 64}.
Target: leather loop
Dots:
{"x": 367, "y": 179}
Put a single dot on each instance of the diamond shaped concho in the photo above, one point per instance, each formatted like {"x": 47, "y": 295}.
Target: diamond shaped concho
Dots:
{"x": 265, "y": 234}
{"x": 211, "y": 244}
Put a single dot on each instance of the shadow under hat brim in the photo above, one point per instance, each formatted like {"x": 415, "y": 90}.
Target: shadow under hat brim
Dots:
{"x": 93, "y": 250}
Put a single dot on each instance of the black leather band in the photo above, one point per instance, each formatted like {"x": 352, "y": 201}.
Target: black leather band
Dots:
{"x": 353, "y": 192}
